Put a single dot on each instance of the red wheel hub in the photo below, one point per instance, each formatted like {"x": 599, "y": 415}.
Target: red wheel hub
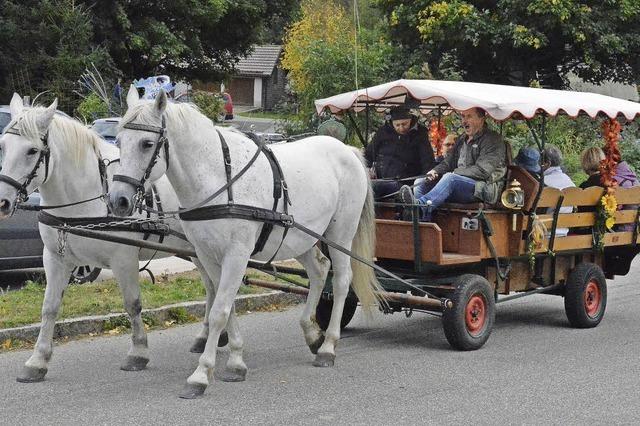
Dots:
{"x": 475, "y": 315}
{"x": 592, "y": 298}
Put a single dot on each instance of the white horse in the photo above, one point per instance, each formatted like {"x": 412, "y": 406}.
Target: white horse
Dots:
{"x": 329, "y": 191}
{"x": 69, "y": 175}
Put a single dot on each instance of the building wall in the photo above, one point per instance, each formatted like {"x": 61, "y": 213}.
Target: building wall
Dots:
{"x": 242, "y": 91}
{"x": 257, "y": 92}
{"x": 274, "y": 88}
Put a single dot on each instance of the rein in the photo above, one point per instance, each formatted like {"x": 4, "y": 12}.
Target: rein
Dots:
{"x": 44, "y": 157}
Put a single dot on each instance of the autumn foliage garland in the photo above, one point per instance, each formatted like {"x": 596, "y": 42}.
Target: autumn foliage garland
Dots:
{"x": 437, "y": 133}
{"x": 606, "y": 208}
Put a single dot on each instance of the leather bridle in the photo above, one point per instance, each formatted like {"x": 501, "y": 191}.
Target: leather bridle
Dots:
{"x": 42, "y": 158}
{"x": 161, "y": 143}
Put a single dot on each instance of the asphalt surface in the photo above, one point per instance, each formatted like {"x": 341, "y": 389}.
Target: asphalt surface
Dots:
{"x": 533, "y": 370}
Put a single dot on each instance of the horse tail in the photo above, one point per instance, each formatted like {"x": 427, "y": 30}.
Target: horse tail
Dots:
{"x": 364, "y": 281}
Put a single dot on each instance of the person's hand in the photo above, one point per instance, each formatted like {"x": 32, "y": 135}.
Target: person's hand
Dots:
{"x": 431, "y": 175}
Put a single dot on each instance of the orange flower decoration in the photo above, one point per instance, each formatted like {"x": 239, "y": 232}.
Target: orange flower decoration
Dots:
{"x": 437, "y": 133}
{"x": 611, "y": 132}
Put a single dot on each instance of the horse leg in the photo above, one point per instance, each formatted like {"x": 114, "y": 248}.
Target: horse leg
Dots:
{"x": 317, "y": 266}
{"x": 232, "y": 271}
{"x": 57, "y": 274}
{"x": 201, "y": 338}
{"x": 341, "y": 281}
{"x": 127, "y": 275}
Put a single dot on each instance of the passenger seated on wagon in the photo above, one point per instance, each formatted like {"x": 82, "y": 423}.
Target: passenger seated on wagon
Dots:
{"x": 529, "y": 159}
{"x": 591, "y": 158}
{"x": 400, "y": 149}
{"x": 556, "y": 178}
{"x": 473, "y": 171}
{"x": 626, "y": 178}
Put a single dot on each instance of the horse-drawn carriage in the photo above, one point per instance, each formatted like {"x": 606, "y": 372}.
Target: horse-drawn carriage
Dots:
{"x": 243, "y": 201}
{"x": 474, "y": 255}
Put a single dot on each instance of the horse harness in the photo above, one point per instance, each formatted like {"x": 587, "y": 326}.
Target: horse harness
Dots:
{"x": 199, "y": 212}
{"x": 112, "y": 223}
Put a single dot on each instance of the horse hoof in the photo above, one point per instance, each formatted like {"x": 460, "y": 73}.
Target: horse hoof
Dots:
{"x": 31, "y": 375}
{"x": 223, "y": 339}
{"x": 316, "y": 345}
{"x": 324, "y": 360}
{"x": 198, "y": 345}
{"x": 192, "y": 391}
{"x": 234, "y": 375}
{"x": 134, "y": 363}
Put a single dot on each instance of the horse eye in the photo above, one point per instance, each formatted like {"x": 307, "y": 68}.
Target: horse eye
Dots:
{"x": 147, "y": 144}
{"x": 32, "y": 151}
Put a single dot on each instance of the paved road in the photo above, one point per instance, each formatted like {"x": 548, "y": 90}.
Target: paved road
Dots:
{"x": 533, "y": 370}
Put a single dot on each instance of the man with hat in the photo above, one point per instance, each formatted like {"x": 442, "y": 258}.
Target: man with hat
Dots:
{"x": 473, "y": 171}
{"x": 400, "y": 149}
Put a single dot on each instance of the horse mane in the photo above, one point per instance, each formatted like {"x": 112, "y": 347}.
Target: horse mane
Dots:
{"x": 184, "y": 114}
{"x": 65, "y": 133}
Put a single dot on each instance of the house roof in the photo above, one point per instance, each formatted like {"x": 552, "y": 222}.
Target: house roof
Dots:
{"x": 260, "y": 62}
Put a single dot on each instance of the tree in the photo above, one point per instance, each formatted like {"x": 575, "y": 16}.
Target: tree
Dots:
{"x": 191, "y": 39}
{"x": 46, "y": 46}
{"x": 320, "y": 55}
{"x": 517, "y": 41}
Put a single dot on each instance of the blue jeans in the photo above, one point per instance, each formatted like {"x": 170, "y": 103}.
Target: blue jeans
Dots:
{"x": 452, "y": 187}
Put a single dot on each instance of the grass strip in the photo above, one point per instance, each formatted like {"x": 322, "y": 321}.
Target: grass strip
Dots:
{"x": 23, "y": 307}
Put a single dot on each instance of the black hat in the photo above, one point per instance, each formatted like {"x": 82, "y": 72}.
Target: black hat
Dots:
{"x": 400, "y": 113}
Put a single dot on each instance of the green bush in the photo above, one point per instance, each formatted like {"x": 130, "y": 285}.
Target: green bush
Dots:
{"x": 210, "y": 105}
{"x": 92, "y": 108}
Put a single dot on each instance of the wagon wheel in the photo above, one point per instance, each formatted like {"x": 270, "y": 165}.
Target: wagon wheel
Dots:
{"x": 585, "y": 297}
{"x": 468, "y": 324}
{"x": 323, "y": 311}
{"x": 84, "y": 274}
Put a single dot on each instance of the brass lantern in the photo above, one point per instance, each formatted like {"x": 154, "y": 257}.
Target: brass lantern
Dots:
{"x": 513, "y": 196}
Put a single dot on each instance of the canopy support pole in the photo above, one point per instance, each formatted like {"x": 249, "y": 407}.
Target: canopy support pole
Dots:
{"x": 355, "y": 126}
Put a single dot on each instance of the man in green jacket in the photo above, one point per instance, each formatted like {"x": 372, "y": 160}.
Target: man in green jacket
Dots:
{"x": 473, "y": 171}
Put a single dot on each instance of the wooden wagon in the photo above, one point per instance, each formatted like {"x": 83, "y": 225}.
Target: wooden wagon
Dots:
{"x": 473, "y": 255}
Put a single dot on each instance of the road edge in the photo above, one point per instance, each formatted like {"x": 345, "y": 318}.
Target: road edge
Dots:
{"x": 98, "y": 324}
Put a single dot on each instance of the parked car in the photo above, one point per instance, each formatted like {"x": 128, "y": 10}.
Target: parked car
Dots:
{"x": 107, "y": 128}
{"x": 271, "y": 137}
{"x": 20, "y": 242}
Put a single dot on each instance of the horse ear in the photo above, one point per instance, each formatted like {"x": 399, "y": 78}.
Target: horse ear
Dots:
{"x": 161, "y": 102}
{"x": 16, "y": 106}
{"x": 132, "y": 96}
{"x": 45, "y": 118}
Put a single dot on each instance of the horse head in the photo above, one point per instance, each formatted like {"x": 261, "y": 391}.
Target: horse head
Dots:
{"x": 24, "y": 151}
{"x": 144, "y": 150}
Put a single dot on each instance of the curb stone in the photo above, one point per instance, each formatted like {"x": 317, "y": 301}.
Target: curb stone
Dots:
{"x": 96, "y": 324}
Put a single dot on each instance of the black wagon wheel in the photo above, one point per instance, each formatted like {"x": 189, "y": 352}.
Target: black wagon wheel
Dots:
{"x": 468, "y": 324}
{"x": 84, "y": 274}
{"x": 585, "y": 296}
{"x": 323, "y": 311}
